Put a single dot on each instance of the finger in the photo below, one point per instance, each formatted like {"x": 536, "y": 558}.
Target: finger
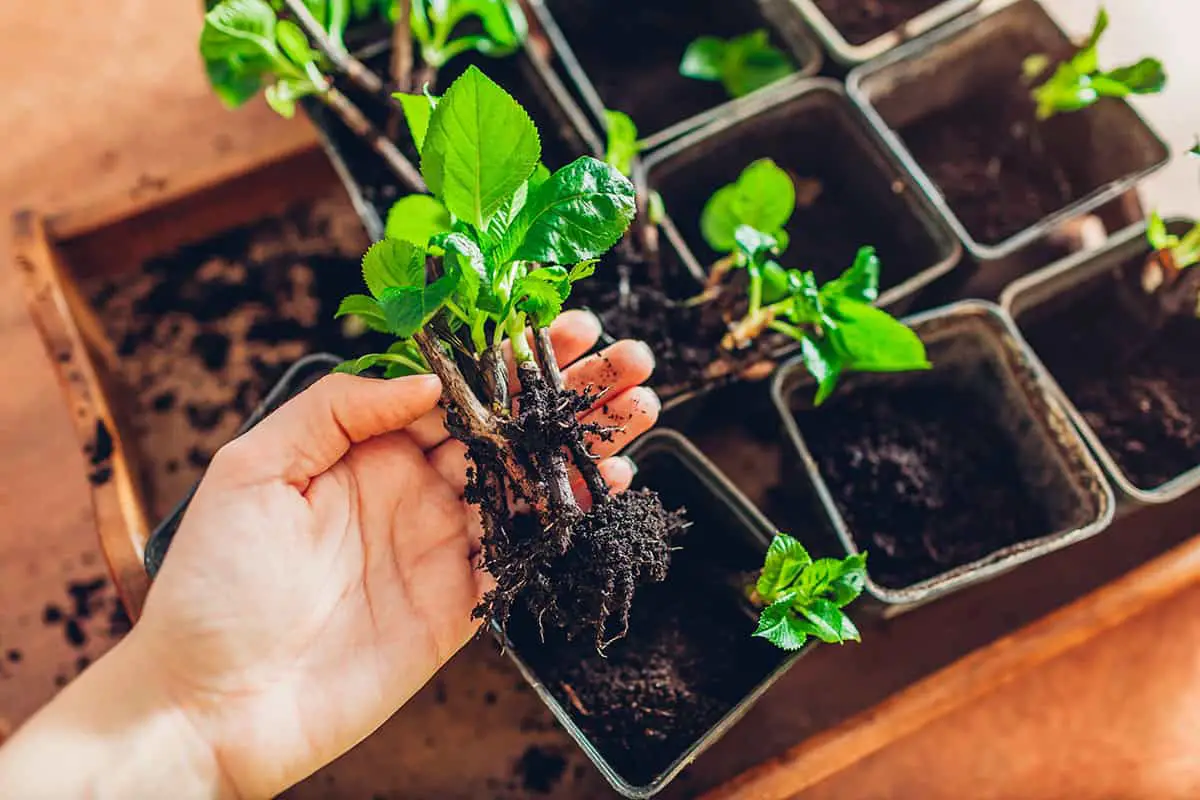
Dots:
{"x": 629, "y": 415}
{"x": 613, "y": 370}
{"x": 573, "y": 334}
{"x": 311, "y": 432}
{"x": 617, "y": 472}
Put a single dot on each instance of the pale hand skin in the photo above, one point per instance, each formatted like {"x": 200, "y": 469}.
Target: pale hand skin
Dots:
{"x": 322, "y": 574}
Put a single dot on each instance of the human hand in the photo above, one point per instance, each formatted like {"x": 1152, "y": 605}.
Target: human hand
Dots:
{"x": 323, "y": 571}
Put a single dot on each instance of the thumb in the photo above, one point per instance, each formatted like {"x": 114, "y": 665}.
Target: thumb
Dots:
{"x": 311, "y": 432}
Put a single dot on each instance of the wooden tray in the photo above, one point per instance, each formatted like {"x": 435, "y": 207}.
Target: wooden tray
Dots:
{"x": 840, "y": 704}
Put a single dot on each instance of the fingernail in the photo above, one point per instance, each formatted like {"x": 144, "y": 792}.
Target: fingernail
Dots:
{"x": 649, "y": 354}
{"x": 633, "y": 467}
{"x": 594, "y": 322}
{"x": 650, "y": 401}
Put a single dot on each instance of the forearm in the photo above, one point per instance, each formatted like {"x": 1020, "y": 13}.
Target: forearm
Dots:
{"x": 114, "y": 732}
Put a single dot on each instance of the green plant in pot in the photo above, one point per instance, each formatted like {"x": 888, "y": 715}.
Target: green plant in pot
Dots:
{"x": 1169, "y": 273}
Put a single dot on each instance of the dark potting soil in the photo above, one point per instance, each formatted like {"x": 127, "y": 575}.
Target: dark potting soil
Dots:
{"x": 203, "y": 333}
{"x": 561, "y": 144}
{"x": 1131, "y": 373}
{"x": 689, "y": 656}
{"x": 999, "y": 167}
{"x": 631, "y": 50}
{"x": 924, "y": 473}
{"x": 861, "y": 21}
{"x": 844, "y": 199}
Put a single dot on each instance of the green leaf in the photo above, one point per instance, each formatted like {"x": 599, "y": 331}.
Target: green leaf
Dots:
{"x": 1145, "y": 77}
{"x": 824, "y": 363}
{"x": 579, "y": 213}
{"x": 704, "y": 59}
{"x": 405, "y": 358}
{"x": 1099, "y": 26}
{"x": 398, "y": 364}
{"x": 870, "y": 340}
{"x": 1195, "y": 149}
{"x": 763, "y": 197}
{"x": 860, "y": 282}
{"x": 785, "y": 558}
{"x": 775, "y": 283}
{"x": 754, "y": 246}
{"x": 503, "y": 22}
{"x": 1157, "y": 235}
{"x": 779, "y": 626}
{"x": 238, "y": 29}
{"x": 403, "y": 309}
{"x": 541, "y": 294}
{"x": 622, "y": 142}
{"x": 294, "y": 42}
{"x": 418, "y": 108}
{"x": 752, "y": 63}
{"x": 850, "y": 584}
{"x": 464, "y": 259}
{"x": 282, "y": 95}
{"x": 393, "y": 263}
{"x": 234, "y": 82}
{"x": 365, "y": 308}
{"x": 417, "y": 219}
{"x": 479, "y": 149}
{"x": 583, "y": 270}
{"x": 830, "y": 624}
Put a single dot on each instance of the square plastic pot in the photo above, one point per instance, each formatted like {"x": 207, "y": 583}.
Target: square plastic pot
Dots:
{"x": 976, "y": 342}
{"x": 847, "y": 53}
{"x": 1108, "y": 146}
{"x": 1074, "y": 274}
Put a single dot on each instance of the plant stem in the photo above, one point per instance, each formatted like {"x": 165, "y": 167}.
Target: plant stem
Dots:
{"x": 585, "y": 462}
{"x": 756, "y": 285}
{"x": 361, "y": 127}
{"x": 480, "y": 423}
{"x": 402, "y": 47}
{"x": 495, "y": 377}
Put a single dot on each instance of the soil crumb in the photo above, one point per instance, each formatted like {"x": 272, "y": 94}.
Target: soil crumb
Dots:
{"x": 540, "y": 769}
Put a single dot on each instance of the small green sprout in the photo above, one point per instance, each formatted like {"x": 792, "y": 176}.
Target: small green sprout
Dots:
{"x": 802, "y": 597}
{"x": 502, "y": 28}
{"x": 1079, "y": 82}
{"x": 621, "y": 148}
{"x": 1166, "y": 265}
{"x": 837, "y": 327}
{"x": 742, "y": 64}
{"x": 1182, "y": 252}
{"x": 1195, "y": 149}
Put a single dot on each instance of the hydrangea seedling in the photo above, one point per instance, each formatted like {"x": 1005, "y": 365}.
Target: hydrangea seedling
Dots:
{"x": 741, "y": 65}
{"x": 1079, "y": 82}
{"x": 1171, "y": 256}
{"x": 802, "y": 597}
{"x": 497, "y": 247}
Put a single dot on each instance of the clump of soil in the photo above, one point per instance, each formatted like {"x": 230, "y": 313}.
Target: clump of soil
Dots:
{"x": 540, "y": 769}
{"x": 203, "y": 333}
{"x": 1130, "y": 371}
{"x": 861, "y": 21}
{"x": 688, "y": 658}
{"x": 924, "y": 473}
{"x": 635, "y": 64}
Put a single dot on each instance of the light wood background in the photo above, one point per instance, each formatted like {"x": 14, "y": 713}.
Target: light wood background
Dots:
{"x": 104, "y": 98}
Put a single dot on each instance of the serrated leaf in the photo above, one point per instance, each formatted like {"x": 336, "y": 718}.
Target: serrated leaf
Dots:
{"x": 417, "y": 218}
{"x": 541, "y": 294}
{"x": 818, "y": 577}
{"x": 622, "y": 145}
{"x": 403, "y": 309}
{"x": 418, "y": 108}
{"x": 871, "y": 340}
{"x": 580, "y": 212}
{"x": 860, "y": 282}
{"x": 365, "y": 308}
{"x": 393, "y": 263}
{"x": 763, "y": 197}
{"x": 785, "y": 558}
{"x": 829, "y": 623}
{"x": 779, "y": 626}
{"x": 479, "y": 149}
{"x": 583, "y": 270}
{"x": 850, "y": 584}
{"x": 465, "y": 259}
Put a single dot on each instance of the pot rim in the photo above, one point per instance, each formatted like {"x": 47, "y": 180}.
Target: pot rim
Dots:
{"x": 852, "y": 54}
{"x": 913, "y": 50}
{"x": 934, "y": 223}
{"x": 802, "y": 45}
{"x": 1000, "y": 560}
{"x": 757, "y": 525}
{"x": 1116, "y": 247}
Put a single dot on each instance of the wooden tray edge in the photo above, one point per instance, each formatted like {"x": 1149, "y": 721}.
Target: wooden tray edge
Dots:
{"x": 968, "y": 679}
{"x": 73, "y": 350}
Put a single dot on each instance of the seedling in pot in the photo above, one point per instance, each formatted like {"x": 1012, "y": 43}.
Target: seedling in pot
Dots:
{"x": 518, "y": 238}
{"x": 742, "y": 65}
{"x": 1166, "y": 272}
{"x": 1079, "y": 82}
{"x": 801, "y": 597}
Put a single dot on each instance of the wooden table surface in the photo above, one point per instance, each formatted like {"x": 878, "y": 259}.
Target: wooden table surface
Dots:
{"x": 106, "y": 98}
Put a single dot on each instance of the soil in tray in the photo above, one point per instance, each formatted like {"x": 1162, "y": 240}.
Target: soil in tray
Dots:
{"x": 1132, "y": 375}
{"x": 844, "y": 199}
{"x": 924, "y": 474}
{"x": 861, "y": 21}
{"x": 561, "y": 144}
{"x": 631, "y": 50}
{"x": 689, "y": 657}
{"x": 201, "y": 334}
{"x": 1000, "y": 169}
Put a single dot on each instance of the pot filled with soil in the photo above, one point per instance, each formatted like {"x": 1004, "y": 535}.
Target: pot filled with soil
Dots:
{"x": 688, "y": 667}
{"x": 673, "y": 65}
{"x": 855, "y": 31}
{"x": 951, "y": 476}
{"x": 1123, "y": 359}
{"x": 970, "y": 111}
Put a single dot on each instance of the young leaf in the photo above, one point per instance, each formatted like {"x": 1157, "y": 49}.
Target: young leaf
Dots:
{"x": 403, "y": 309}
{"x": 824, "y": 363}
{"x": 479, "y": 149}
{"x": 583, "y": 270}
{"x": 743, "y": 64}
{"x": 398, "y": 364}
{"x": 704, "y": 59}
{"x": 294, "y": 43}
{"x": 541, "y": 294}
{"x": 365, "y": 308}
{"x": 622, "y": 142}
{"x": 1157, "y": 235}
{"x": 779, "y": 626}
{"x": 234, "y": 82}
{"x": 238, "y": 29}
{"x": 870, "y": 340}
{"x": 393, "y": 263}
{"x": 464, "y": 260}
{"x": 1195, "y": 149}
{"x": 830, "y": 624}
{"x": 418, "y": 108}
{"x": 763, "y": 197}
{"x": 786, "y": 557}
{"x": 860, "y": 282}
{"x": 579, "y": 213}
{"x": 417, "y": 218}
{"x": 282, "y": 95}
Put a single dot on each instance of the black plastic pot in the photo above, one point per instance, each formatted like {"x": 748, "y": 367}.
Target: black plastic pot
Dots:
{"x": 300, "y": 376}
{"x": 1102, "y": 287}
{"x": 848, "y": 48}
{"x": 564, "y": 128}
{"x": 1035, "y": 475}
{"x": 586, "y": 33}
{"x": 719, "y": 554}
{"x": 974, "y": 65}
